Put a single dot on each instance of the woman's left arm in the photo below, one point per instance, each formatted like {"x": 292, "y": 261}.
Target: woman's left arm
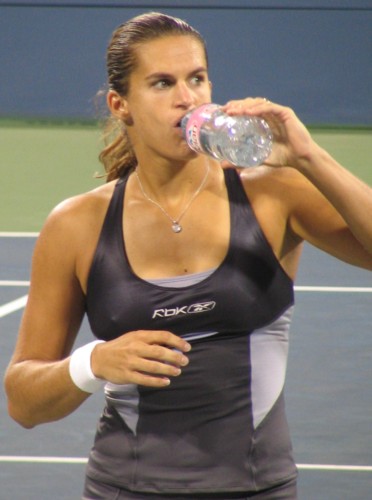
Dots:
{"x": 351, "y": 197}
{"x": 294, "y": 147}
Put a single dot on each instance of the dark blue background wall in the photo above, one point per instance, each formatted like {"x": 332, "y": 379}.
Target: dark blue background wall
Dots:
{"x": 315, "y": 56}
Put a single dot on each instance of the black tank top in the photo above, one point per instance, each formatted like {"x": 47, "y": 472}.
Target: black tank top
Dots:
{"x": 248, "y": 290}
{"x": 220, "y": 426}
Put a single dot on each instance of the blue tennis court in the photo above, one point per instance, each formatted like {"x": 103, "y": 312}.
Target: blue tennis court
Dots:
{"x": 329, "y": 393}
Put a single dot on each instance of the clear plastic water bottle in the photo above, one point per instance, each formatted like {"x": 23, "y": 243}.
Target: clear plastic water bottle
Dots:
{"x": 242, "y": 140}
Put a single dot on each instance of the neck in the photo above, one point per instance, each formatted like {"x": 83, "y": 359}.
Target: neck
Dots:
{"x": 167, "y": 209}
{"x": 173, "y": 184}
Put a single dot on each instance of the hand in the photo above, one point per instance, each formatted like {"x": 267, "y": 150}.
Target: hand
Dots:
{"x": 292, "y": 142}
{"x": 142, "y": 357}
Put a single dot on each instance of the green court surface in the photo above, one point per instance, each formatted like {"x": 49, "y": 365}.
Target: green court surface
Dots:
{"x": 41, "y": 164}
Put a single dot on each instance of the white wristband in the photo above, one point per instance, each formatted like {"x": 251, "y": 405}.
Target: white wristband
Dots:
{"x": 80, "y": 369}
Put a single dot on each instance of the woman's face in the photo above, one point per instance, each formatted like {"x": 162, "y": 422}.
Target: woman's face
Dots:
{"x": 170, "y": 79}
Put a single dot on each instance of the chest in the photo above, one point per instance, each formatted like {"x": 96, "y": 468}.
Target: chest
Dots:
{"x": 155, "y": 251}
{"x": 247, "y": 290}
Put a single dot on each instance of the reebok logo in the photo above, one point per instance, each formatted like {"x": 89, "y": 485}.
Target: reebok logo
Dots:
{"x": 200, "y": 307}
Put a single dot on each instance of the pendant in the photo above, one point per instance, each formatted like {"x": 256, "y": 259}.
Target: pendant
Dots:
{"x": 176, "y": 228}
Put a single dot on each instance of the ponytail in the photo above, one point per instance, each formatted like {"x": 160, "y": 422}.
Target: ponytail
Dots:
{"x": 117, "y": 156}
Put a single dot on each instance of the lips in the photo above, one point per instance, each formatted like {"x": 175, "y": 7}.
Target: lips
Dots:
{"x": 178, "y": 122}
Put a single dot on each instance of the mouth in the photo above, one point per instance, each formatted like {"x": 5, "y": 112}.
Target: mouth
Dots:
{"x": 178, "y": 123}
{"x": 178, "y": 128}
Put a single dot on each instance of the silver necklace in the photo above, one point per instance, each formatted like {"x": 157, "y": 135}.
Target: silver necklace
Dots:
{"x": 176, "y": 226}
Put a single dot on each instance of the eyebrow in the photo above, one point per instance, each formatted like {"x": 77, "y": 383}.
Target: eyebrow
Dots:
{"x": 162, "y": 74}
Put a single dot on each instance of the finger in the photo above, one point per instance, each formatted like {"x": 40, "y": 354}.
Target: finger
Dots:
{"x": 147, "y": 380}
{"x": 164, "y": 354}
{"x": 165, "y": 338}
{"x": 152, "y": 373}
{"x": 238, "y": 107}
{"x": 158, "y": 369}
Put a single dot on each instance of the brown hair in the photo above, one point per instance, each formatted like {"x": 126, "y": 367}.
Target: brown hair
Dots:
{"x": 118, "y": 156}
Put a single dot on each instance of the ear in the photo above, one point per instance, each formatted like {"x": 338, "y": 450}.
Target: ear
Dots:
{"x": 210, "y": 86}
{"x": 119, "y": 107}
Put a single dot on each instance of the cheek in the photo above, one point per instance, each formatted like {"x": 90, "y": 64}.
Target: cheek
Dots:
{"x": 146, "y": 129}
{"x": 205, "y": 93}
{"x": 144, "y": 113}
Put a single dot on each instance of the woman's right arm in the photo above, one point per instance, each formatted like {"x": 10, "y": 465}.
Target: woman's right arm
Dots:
{"x": 38, "y": 382}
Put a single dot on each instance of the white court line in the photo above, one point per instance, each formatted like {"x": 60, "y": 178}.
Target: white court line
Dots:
{"x": 13, "y": 234}
{"x": 13, "y": 306}
{"x": 14, "y": 283}
{"x": 337, "y": 289}
{"x": 338, "y": 468}
{"x": 43, "y": 460}
{"x": 80, "y": 460}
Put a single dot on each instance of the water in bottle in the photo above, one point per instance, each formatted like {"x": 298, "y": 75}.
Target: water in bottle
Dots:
{"x": 244, "y": 141}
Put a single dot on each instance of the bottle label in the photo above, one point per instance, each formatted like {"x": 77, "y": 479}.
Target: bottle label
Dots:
{"x": 194, "y": 124}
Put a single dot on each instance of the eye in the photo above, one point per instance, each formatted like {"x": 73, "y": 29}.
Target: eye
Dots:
{"x": 198, "y": 79}
{"x": 162, "y": 84}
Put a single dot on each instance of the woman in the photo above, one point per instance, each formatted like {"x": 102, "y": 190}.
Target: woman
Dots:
{"x": 187, "y": 285}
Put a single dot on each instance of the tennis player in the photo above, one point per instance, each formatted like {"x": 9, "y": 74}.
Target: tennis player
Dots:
{"x": 185, "y": 271}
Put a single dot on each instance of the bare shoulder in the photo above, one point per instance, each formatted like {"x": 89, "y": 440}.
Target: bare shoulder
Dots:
{"x": 70, "y": 234}
{"x": 81, "y": 214}
{"x": 84, "y": 205}
{"x": 284, "y": 187}
{"x": 289, "y": 192}
{"x": 286, "y": 202}
{"x": 283, "y": 181}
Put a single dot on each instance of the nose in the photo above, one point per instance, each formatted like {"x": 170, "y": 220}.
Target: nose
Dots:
{"x": 184, "y": 95}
